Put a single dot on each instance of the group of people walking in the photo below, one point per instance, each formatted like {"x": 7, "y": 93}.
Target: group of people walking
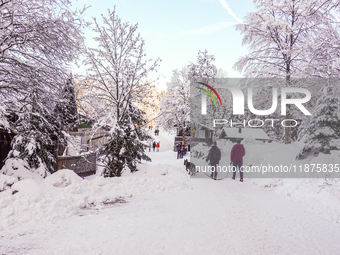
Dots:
{"x": 181, "y": 150}
{"x": 154, "y": 146}
{"x": 156, "y": 130}
{"x": 236, "y": 158}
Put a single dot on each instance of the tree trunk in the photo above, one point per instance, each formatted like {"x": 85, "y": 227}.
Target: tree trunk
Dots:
{"x": 288, "y": 139}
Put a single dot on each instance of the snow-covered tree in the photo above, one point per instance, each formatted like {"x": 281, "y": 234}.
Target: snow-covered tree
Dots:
{"x": 125, "y": 147}
{"x": 175, "y": 106}
{"x": 284, "y": 39}
{"x": 117, "y": 69}
{"x": 203, "y": 71}
{"x": 221, "y": 73}
{"x": 204, "y": 67}
{"x": 150, "y": 105}
{"x": 66, "y": 107}
{"x": 323, "y": 132}
{"x": 38, "y": 41}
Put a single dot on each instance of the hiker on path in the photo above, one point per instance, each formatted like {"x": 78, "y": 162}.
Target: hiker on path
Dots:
{"x": 214, "y": 156}
{"x": 236, "y": 157}
{"x": 178, "y": 148}
{"x": 182, "y": 150}
{"x": 157, "y": 146}
{"x": 154, "y": 146}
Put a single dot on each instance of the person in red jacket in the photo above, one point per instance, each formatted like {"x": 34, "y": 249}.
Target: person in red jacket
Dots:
{"x": 236, "y": 157}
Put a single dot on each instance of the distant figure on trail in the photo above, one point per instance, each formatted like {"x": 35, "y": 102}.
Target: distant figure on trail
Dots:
{"x": 157, "y": 146}
{"x": 236, "y": 157}
{"x": 214, "y": 156}
{"x": 182, "y": 150}
{"x": 154, "y": 146}
{"x": 178, "y": 148}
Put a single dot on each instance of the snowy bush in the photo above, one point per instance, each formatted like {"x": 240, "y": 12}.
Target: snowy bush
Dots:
{"x": 28, "y": 159}
{"x": 6, "y": 182}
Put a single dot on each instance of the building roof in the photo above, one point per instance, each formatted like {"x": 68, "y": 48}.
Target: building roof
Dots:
{"x": 256, "y": 133}
{"x": 205, "y": 127}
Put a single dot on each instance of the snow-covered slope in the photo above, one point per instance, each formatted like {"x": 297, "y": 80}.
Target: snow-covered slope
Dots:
{"x": 160, "y": 210}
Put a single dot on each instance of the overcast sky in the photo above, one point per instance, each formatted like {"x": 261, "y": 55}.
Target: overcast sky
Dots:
{"x": 175, "y": 30}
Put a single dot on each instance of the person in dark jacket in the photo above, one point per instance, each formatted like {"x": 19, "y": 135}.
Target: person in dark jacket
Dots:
{"x": 236, "y": 157}
{"x": 214, "y": 156}
{"x": 154, "y": 146}
{"x": 178, "y": 148}
{"x": 182, "y": 150}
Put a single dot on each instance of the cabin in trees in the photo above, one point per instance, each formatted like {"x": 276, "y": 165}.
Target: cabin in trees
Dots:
{"x": 182, "y": 136}
{"x": 233, "y": 134}
{"x": 201, "y": 133}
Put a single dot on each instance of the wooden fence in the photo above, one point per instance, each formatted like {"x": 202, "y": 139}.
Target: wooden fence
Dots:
{"x": 83, "y": 165}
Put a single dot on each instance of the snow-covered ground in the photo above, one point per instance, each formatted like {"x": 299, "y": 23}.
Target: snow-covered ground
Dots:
{"x": 160, "y": 210}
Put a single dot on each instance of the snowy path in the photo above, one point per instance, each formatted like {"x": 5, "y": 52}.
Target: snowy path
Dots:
{"x": 209, "y": 217}
{"x": 225, "y": 217}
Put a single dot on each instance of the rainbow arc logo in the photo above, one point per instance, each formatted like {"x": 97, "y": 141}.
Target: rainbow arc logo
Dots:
{"x": 209, "y": 93}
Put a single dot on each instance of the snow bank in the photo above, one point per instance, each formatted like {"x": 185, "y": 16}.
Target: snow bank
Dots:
{"x": 27, "y": 186}
{"x": 19, "y": 169}
{"x": 64, "y": 193}
{"x": 321, "y": 195}
{"x": 6, "y": 182}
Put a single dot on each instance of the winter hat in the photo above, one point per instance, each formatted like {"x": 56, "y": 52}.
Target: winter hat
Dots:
{"x": 214, "y": 143}
{"x": 238, "y": 140}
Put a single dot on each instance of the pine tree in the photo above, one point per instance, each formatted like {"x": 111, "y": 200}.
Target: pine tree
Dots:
{"x": 323, "y": 132}
{"x": 124, "y": 147}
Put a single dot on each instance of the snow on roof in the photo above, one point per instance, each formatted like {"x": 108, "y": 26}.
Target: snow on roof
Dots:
{"x": 256, "y": 133}
{"x": 206, "y": 127}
